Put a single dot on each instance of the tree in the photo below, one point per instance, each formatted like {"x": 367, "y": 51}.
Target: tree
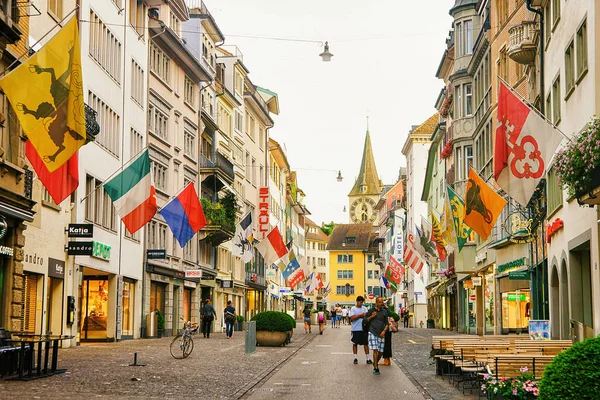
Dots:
{"x": 328, "y": 228}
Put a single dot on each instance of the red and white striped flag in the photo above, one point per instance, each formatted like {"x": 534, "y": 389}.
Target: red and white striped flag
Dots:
{"x": 412, "y": 258}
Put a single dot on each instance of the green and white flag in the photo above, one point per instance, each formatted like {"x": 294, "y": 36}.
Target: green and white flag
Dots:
{"x": 457, "y": 208}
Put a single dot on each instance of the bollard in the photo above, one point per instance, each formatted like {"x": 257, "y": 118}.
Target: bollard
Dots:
{"x": 250, "y": 337}
{"x": 135, "y": 363}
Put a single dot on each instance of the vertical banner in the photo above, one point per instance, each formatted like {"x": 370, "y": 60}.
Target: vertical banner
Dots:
{"x": 263, "y": 211}
{"x": 399, "y": 224}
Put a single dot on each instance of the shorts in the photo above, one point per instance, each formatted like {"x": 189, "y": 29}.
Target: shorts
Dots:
{"x": 376, "y": 342}
{"x": 359, "y": 338}
{"x": 307, "y": 319}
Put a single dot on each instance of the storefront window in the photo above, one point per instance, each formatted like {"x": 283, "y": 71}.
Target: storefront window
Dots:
{"x": 31, "y": 289}
{"x": 489, "y": 302}
{"x": 187, "y": 304}
{"x": 95, "y": 308}
{"x": 516, "y": 308}
{"x": 157, "y": 297}
{"x": 127, "y": 317}
{"x": 470, "y": 307}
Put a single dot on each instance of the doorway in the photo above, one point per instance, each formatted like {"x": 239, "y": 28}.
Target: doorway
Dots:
{"x": 94, "y": 307}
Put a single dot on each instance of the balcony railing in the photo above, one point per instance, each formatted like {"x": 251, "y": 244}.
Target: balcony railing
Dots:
{"x": 483, "y": 107}
{"x": 218, "y": 164}
{"x": 523, "y": 47}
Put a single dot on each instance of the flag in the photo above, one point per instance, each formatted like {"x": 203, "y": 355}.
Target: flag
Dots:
{"x": 317, "y": 282}
{"x": 309, "y": 287}
{"x": 272, "y": 247}
{"x": 457, "y": 215}
{"x": 424, "y": 245}
{"x": 184, "y": 214}
{"x": 133, "y": 194}
{"x": 448, "y": 223}
{"x": 327, "y": 290}
{"x": 384, "y": 282}
{"x": 296, "y": 277}
{"x": 46, "y": 92}
{"x": 62, "y": 181}
{"x": 394, "y": 273}
{"x": 482, "y": 205}
{"x": 412, "y": 258}
{"x": 437, "y": 238}
{"x": 288, "y": 264}
{"x": 242, "y": 241}
{"x": 525, "y": 144}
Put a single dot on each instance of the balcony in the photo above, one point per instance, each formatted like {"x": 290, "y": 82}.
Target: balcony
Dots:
{"x": 523, "y": 46}
{"x": 220, "y": 220}
{"x": 217, "y": 171}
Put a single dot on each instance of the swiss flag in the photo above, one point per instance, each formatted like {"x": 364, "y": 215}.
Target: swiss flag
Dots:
{"x": 525, "y": 144}
{"x": 297, "y": 277}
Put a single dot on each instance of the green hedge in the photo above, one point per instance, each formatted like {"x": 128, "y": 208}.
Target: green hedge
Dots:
{"x": 574, "y": 373}
{"x": 273, "y": 321}
{"x": 292, "y": 319}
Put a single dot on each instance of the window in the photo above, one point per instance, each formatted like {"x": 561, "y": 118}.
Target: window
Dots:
{"x": 110, "y": 126}
{"x": 502, "y": 11}
{"x": 55, "y": 7}
{"x": 556, "y": 101}
{"x": 189, "y": 92}
{"x": 376, "y": 274}
{"x": 239, "y": 84}
{"x": 345, "y": 258}
{"x": 468, "y": 100}
{"x": 159, "y": 172}
{"x": 345, "y": 274}
{"x": 248, "y": 166}
{"x": 569, "y": 68}
{"x": 468, "y": 37}
{"x": 582, "y": 50}
{"x": 548, "y": 108}
{"x": 350, "y": 239}
{"x": 104, "y": 47}
{"x": 137, "y": 16}
{"x": 261, "y": 138}
{"x": 503, "y": 65}
{"x": 175, "y": 24}
{"x": 459, "y": 40}
{"x": 224, "y": 120}
{"x": 369, "y": 274}
{"x": 548, "y": 28}
{"x": 136, "y": 144}
{"x": 555, "y": 12}
{"x": 458, "y": 102}
{"x": 157, "y": 235}
{"x": 483, "y": 151}
{"x": 253, "y": 171}
{"x": 370, "y": 258}
{"x": 342, "y": 290}
{"x": 160, "y": 63}
{"x": 238, "y": 121}
{"x": 555, "y": 194}
{"x": 158, "y": 122}
{"x": 252, "y": 128}
{"x": 98, "y": 205}
{"x": 188, "y": 251}
{"x": 189, "y": 145}
{"x": 137, "y": 83}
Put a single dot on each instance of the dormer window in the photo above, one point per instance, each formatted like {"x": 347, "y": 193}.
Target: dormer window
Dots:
{"x": 350, "y": 239}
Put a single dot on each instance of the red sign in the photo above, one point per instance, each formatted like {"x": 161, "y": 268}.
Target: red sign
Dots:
{"x": 371, "y": 297}
{"x": 263, "y": 211}
{"x": 552, "y": 228}
{"x": 193, "y": 273}
{"x": 473, "y": 297}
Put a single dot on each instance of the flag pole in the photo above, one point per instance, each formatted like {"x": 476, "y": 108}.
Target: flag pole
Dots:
{"x": 532, "y": 107}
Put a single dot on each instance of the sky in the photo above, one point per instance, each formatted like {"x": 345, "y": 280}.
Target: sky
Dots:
{"x": 386, "y": 54}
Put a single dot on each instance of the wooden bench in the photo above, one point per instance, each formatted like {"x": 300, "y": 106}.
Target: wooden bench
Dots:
{"x": 509, "y": 365}
{"x": 542, "y": 347}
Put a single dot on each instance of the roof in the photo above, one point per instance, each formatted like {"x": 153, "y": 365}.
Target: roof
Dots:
{"x": 320, "y": 236}
{"x": 362, "y": 232}
{"x": 459, "y": 4}
{"x": 367, "y": 175}
{"x": 427, "y": 127}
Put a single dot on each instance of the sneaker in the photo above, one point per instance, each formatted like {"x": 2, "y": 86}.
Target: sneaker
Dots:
{"x": 355, "y": 361}
{"x": 320, "y": 333}
{"x": 375, "y": 371}
{"x": 369, "y": 362}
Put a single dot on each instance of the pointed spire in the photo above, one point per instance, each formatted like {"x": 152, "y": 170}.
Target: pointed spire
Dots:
{"x": 367, "y": 182}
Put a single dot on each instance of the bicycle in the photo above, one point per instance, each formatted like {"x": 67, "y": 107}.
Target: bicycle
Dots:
{"x": 183, "y": 344}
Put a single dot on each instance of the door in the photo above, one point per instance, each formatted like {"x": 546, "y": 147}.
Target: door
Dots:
{"x": 94, "y": 308}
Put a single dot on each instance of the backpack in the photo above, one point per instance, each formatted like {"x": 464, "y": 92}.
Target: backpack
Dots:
{"x": 366, "y": 323}
{"x": 229, "y": 316}
{"x": 321, "y": 317}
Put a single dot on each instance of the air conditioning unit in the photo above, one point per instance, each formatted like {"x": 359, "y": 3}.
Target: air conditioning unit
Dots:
{"x": 153, "y": 13}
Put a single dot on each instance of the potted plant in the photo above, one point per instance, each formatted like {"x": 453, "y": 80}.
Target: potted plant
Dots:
{"x": 522, "y": 387}
{"x": 272, "y": 328}
{"x": 578, "y": 164}
{"x": 447, "y": 106}
{"x": 574, "y": 373}
{"x": 160, "y": 323}
{"x": 430, "y": 323}
{"x": 240, "y": 323}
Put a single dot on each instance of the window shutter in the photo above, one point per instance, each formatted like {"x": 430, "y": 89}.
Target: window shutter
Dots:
{"x": 30, "y": 303}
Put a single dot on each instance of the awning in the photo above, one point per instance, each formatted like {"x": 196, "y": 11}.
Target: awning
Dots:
{"x": 274, "y": 296}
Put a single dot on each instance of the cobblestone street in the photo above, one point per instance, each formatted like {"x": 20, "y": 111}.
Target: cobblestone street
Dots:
{"x": 217, "y": 368}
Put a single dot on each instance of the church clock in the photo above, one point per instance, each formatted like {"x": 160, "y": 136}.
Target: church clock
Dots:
{"x": 362, "y": 210}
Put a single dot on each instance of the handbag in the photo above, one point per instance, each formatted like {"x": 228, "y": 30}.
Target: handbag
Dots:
{"x": 393, "y": 327}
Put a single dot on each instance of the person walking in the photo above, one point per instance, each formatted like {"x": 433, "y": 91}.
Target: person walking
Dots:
{"x": 207, "y": 315}
{"x": 307, "y": 313}
{"x": 405, "y": 318}
{"x": 387, "y": 345}
{"x": 345, "y": 311}
{"x": 358, "y": 337}
{"x": 321, "y": 320}
{"x": 378, "y": 326}
{"x": 230, "y": 316}
{"x": 332, "y": 315}
{"x": 338, "y": 315}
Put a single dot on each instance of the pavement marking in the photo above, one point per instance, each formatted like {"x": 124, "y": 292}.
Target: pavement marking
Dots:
{"x": 324, "y": 345}
{"x": 278, "y": 383}
{"x": 306, "y": 384}
{"x": 412, "y": 341}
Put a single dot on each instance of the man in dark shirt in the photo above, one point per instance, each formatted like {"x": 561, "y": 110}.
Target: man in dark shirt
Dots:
{"x": 230, "y": 317}
{"x": 378, "y": 326}
{"x": 207, "y": 315}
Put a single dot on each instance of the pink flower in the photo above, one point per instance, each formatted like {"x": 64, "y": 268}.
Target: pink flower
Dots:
{"x": 523, "y": 369}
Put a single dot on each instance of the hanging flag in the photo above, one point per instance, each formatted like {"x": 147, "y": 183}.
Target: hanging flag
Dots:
{"x": 272, "y": 247}
{"x": 61, "y": 182}
{"x": 309, "y": 286}
{"x": 327, "y": 290}
{"x": 384, "y": 282}
{"x": 424, "y": 245}
{"x": 242, "y": 241}
{"x": 184, "y": 214}
{"x": 482, "y": 205}
{"x": 525, "y": 144}
{"x": 437, "y": 238}
{"x": 394, "y": 273}
{"x": 457, "y": 212}
{"x": 133, "y": 194}
{"x": 398, "y": 238}
{"x": 448, "y": 224}
{"x": 296, "y": 277}
{"x": 288, "y": 264}
{"x": 317, "y": 282}
{"x": 412, "y": 258}
{"x": 46, "y": 92}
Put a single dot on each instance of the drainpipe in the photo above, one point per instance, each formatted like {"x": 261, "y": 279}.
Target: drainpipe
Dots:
{"x": 542, "y": 41}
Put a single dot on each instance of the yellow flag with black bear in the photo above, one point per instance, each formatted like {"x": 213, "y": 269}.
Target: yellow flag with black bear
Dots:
{"x": 46, "y": 92}
{"x": 482, "y": 205}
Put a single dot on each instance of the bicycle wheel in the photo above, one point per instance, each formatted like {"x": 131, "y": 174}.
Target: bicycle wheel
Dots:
{"x": 177, "y": 347}
{"x": 187, "y": 346}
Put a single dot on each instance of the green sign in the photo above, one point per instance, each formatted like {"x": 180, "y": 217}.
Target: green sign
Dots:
{"x": 513, "y": 297}
{"x": 510, "y": 265}
{"x": 518, "y": 276}
{"x": 101, "y": 250}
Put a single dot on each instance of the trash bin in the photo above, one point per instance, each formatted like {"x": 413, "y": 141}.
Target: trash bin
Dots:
{"x": 151, "y": 325}
{"x": 430, "y": 324}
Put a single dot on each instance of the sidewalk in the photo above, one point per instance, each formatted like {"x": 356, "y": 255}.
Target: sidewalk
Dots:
{"x": 411, "y": 347}
{"x": 217, "y": 369}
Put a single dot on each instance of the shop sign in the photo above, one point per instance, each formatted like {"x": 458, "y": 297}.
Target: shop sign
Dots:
{"x": 4, "y": 250}
{"x": 101, "y": 251}
{"x": 80, "y": 230}
{"x": 518, "y": 275}
{"x": 513, "y": 297}
{"x": 193, "y": 273}
{"x": 519, "y": 228}
{"x": 553, "y": 228}
{"x": 476, "y": 280}
{"x": 473, "y": 297}
{"x": 156, "y": 254}
{"x": 263, "y": 211}
{"x": 33, "y": 259}
{"x": 227, "y": 284}
{"x": 481, "y": 257}
{"x": 285, "y": 290}
{"x": 511, "y": 265}
{"x": 80, "y": 248}
{"x": 56, "y": 268}
{"x": 539, "y": 329}
{"x": 468, "y": 284}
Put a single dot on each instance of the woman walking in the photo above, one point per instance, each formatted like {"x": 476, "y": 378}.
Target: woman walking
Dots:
{"x": 306, "y": 313}
{"x": 321, "y": 320}
{"x": 387, "y": 346}
{"x": 332, "y": 315}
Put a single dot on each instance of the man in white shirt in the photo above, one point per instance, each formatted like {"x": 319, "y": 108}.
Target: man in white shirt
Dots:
{"x": 359, "y": 338}
{"x": 345, "y": 315}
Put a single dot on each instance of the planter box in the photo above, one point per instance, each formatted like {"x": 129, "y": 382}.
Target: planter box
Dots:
{"x": 591, "y": 197}
{"x": 271, "y": 339}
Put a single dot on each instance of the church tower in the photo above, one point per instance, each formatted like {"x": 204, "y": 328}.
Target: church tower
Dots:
{"x": 367, "y": 189}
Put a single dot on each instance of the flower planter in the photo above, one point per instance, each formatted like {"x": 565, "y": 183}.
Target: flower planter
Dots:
{"x": 592, "y": 196}
{"x": 529, "y": 397}
{"x": 271, "y": 339}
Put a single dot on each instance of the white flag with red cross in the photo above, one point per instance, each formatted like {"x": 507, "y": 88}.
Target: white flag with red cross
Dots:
{"x": 525, "y": 144}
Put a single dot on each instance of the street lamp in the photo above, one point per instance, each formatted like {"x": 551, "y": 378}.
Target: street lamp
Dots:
{"x": 340, "y": 177}
{"x": 326, "y": 55}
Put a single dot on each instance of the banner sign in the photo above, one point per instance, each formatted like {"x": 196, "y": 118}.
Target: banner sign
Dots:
{"x": 263, "y": 211}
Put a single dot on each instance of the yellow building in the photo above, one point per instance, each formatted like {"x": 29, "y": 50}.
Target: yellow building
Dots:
{"x": 350, "y": 246}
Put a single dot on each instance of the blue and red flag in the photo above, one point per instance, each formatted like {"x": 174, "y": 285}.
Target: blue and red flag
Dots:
{"x": 184, "y": 215}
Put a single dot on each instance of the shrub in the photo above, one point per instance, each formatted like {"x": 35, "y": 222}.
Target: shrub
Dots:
{"x": 292, "y": 319}
{"x": 160, "y": 320}
{"x": 574, "y": 373}
{"x": 273, "y": 321}
{"x": 521, "y": 387}
{"x": 240, "y": 318}
{"x": 393, "y": 314}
